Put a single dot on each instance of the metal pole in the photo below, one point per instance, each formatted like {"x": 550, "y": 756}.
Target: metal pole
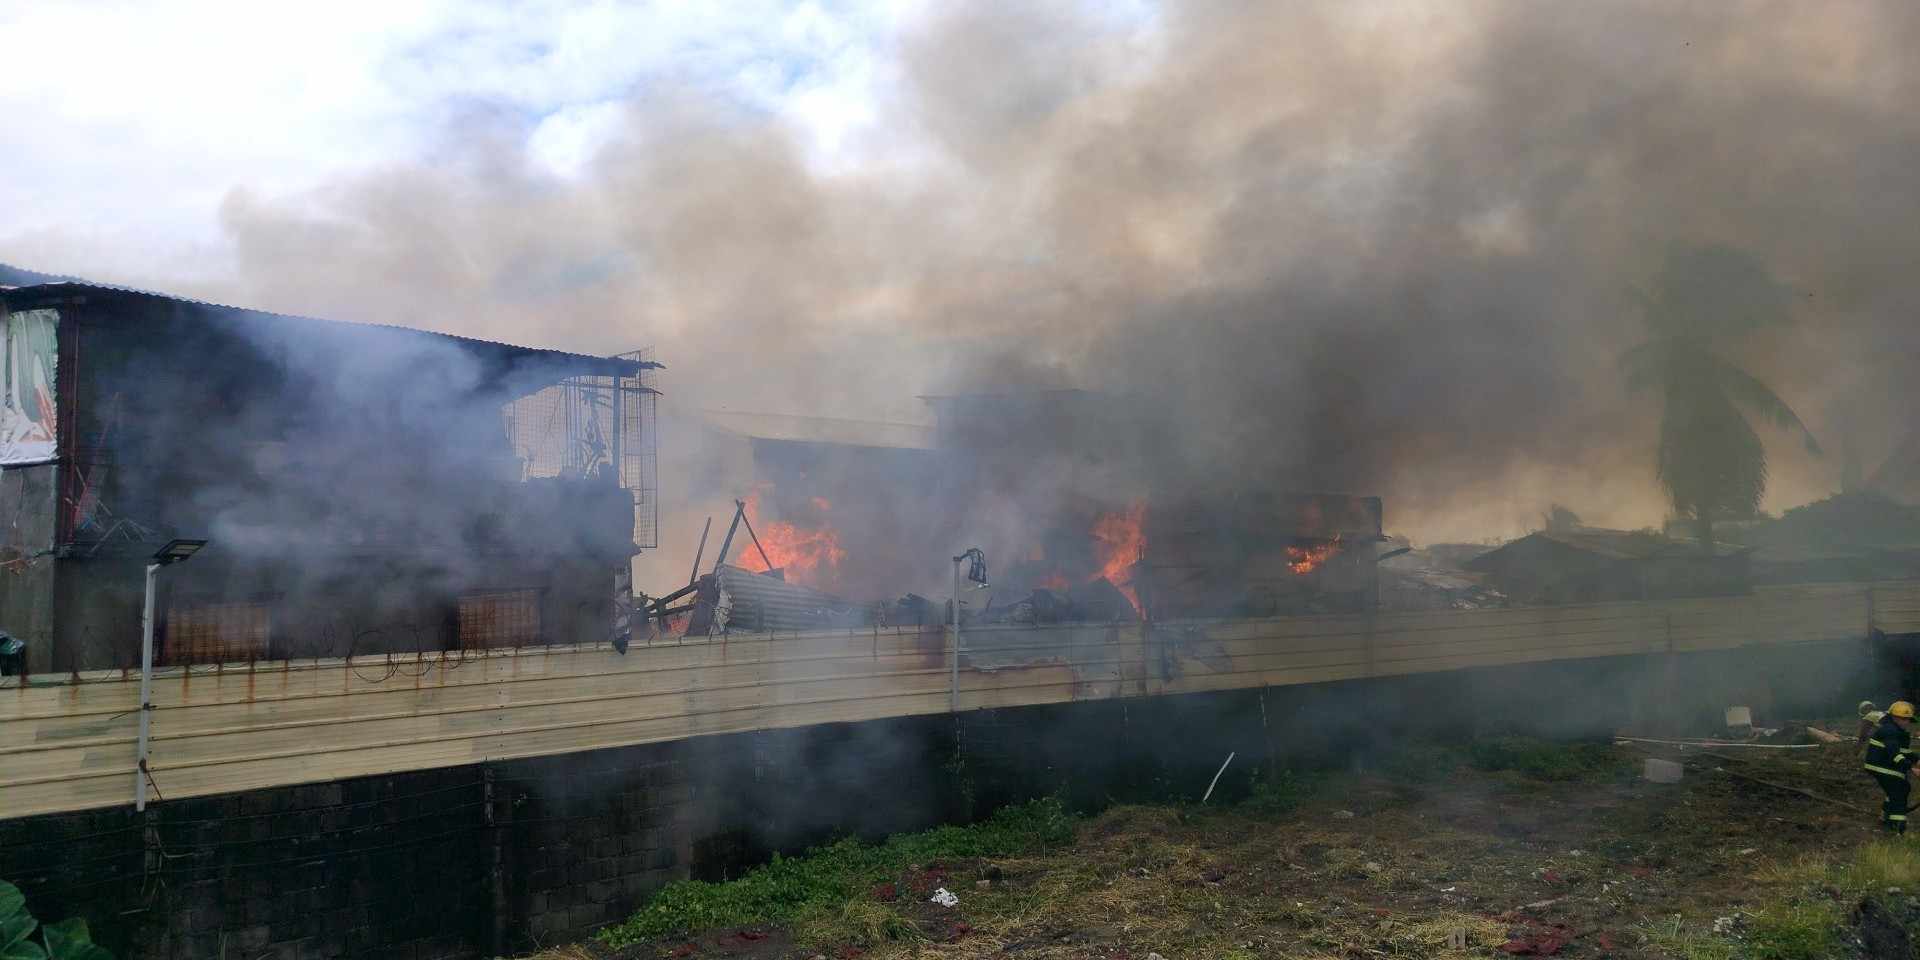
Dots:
{"x": 954, "y": 697}
{"x": 146, "y": 692}
{"x": 739, "y": 511}
{"x": 756, "y": 540}
{"x": 697, "y": 554}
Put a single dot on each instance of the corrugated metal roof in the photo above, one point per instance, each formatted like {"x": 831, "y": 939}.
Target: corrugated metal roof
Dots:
{"x": 1610, "y": 544}
{"x": 48, "y": 286}
{"x": 855, "y": 433}
{"x": 12, "y": 276}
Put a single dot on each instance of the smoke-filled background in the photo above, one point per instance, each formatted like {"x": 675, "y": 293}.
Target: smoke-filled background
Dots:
{"x": 1389, "y": 249}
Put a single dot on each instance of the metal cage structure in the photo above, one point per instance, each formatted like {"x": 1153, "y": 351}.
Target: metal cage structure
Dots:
{"x": 582, "y": 426}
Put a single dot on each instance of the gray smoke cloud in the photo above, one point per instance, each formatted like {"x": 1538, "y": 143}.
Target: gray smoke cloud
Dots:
{"x": 1362, "y": 247}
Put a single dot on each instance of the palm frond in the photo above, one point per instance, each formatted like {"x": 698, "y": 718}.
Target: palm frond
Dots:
{"x": 1746, "y": 390}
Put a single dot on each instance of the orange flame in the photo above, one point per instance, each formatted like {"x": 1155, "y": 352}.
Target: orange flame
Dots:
{"x": 1302, "y": 560}
{"x": 1118, "y": 542}
{"x": 1055, "y": 581}
{"x": 806, "y": 556}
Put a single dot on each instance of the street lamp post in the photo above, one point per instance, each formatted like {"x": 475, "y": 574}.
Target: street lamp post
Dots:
{"x": 176, "y": 551}
{"x": 977, "y": 572}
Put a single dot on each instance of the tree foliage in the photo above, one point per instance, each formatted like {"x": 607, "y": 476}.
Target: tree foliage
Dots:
{"x": 66, "y": 940}
{"x": 1709, "y": 458}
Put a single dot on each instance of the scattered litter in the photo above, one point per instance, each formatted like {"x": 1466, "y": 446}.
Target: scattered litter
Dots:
{"x": 1457, "y": 938}
{"x": 1539, "y": 942}
{"x": 1216, "y": 778}
{"x": 1343, "y": 814}
{"x": 1448, "y": 889}
{"x": 1750, "y": 851}
{"x": 983, "y": 884}
{"x": 1725, "y": 925}
{"x": 1155, "y": 956}
{"x": 1576, "y": 853}
{"x": 944, "y": 897}
{"x": 1371, "y": 867}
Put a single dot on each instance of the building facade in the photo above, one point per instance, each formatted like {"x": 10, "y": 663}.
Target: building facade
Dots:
{"x": 364, "y": 489}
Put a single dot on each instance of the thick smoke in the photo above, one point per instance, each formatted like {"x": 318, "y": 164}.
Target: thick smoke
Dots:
{"x": 1363, "y": 247}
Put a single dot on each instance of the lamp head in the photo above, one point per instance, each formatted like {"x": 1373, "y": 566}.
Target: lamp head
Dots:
{"x": 177, "y": 551}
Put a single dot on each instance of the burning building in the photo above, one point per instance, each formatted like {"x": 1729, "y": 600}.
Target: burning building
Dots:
{"x": 1261, "y": 554}
{"x": 366, "y": 489}
{"x": 814, "y": 489}
{"x": 1058, "y": 486}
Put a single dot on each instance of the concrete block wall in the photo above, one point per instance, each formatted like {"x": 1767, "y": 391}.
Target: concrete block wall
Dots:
{"x": 583, "y": 839}
{"x": 373, "y": 866}
{"x": 493, "y": 859}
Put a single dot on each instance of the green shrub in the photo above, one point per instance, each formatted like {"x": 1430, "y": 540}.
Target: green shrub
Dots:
{"x": 1544, "y": 760}
{"x": 1280, "y": 793}
{"x": 808, "y": 887}
{"x": 66, "y": 940}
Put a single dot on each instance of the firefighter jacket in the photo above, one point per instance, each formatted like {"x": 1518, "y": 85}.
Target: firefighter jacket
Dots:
{"x": 1890, "y": 750}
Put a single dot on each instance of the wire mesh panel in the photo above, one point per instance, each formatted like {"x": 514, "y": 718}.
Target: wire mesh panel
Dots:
{"x": 639, "y": 454}
{"x": 216, "y": 633}
{"x": 499, "y": 618}
{"x": 582, "y": 426}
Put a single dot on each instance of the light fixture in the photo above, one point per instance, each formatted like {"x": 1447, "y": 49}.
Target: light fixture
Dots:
{"x": 177, "y": 550}
{"x": 977, "y": 569}
{"x": 976, "y": 572}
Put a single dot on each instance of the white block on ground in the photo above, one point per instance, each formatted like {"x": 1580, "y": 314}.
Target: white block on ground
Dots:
{"x": 1663, "y": 771}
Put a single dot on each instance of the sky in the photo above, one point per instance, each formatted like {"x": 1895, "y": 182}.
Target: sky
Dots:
{"x": 119, "y": 169}
{"x": 1382, "y": 246}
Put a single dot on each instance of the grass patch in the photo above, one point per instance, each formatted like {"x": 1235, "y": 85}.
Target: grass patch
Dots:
{"x": 816, "y": 888}
{"x": 1433, "y": 937}
{"x": 1545, "y": 759}
{"x": 1805, "y": 922}
{"x": 1271, "y": 796}
{"x": 1793, "y": 930}
{"x": 1683, "y": 941}
{"x": 1878, "y": 865}
{"x": 859, "y": 921}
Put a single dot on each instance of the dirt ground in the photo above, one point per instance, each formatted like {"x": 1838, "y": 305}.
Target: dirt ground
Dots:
{"x": 1436, "y": 859}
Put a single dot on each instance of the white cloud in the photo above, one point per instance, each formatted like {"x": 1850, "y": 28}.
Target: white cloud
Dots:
{"x": 132, "y": 121}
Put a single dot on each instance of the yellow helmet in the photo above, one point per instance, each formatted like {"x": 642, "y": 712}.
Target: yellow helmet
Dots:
{"x": 1901, "y": 709}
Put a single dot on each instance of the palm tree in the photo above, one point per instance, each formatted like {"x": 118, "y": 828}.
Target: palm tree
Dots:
{"x": 1709, "y": 458}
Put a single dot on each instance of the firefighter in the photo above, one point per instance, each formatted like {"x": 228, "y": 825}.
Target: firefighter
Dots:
{"x": 1890, "y": 756}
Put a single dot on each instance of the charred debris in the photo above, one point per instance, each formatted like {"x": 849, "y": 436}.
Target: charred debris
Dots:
{"x": 1251, "y": 555}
